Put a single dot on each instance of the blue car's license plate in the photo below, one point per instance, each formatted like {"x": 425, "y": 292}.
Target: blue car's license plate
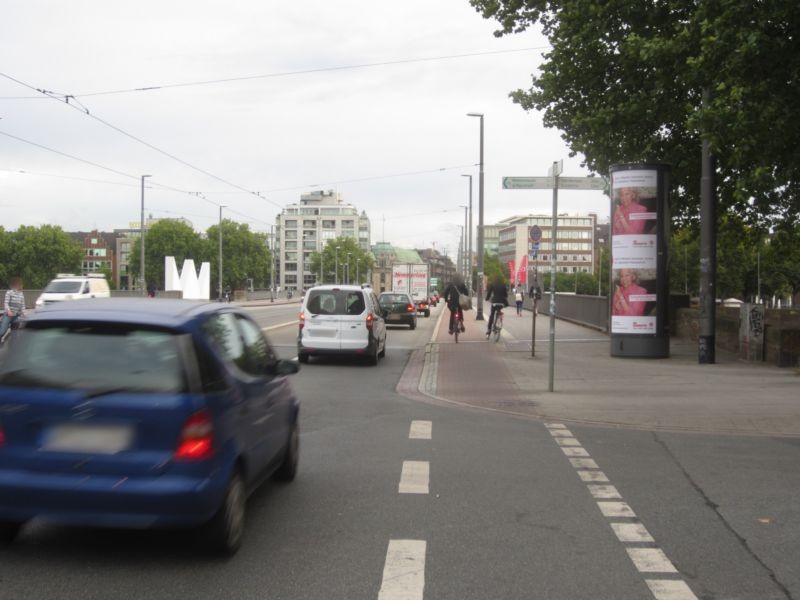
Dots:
{"x": 88, "y": 438}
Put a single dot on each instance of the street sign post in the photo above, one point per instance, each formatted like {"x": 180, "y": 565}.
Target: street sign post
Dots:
{"x": 535, "y": 234}
{"x": 527, "y": 183}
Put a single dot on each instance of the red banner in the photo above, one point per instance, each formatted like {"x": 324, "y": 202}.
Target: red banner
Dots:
{"x": 522, "y": 272}
{"x": 511, "y": 264}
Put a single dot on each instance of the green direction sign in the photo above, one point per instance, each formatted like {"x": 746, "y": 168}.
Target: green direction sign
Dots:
{"x": 581, "y": 183}
{"x": 527, "y": 183}
{"x": 546, "y": 183}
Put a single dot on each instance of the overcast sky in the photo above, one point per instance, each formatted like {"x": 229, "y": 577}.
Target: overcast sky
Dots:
{"x": 279, "y": 136}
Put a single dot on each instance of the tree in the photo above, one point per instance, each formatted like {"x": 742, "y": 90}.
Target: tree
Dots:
{"x": 624, "y": 82}
{"x": 245, "y": 255}
{"x": 37, "y": 253}
{"x": 167, "y": 237}
{"x": 780, "y": 263}
{"x": 359, "y": 259}
{"x": 493, "y": 268}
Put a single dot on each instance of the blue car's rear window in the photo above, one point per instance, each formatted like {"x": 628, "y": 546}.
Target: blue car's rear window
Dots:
{"x": 95, "y": 358}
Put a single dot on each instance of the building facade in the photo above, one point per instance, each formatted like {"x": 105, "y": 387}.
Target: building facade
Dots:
{"x": 575, "y": 245}
{"x": 304, "y": 228}
{"x": 99, "y": 252}
{"x": 387, "y": 255}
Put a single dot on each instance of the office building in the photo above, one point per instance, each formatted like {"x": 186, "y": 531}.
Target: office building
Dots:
{"x": 305, "y": 228}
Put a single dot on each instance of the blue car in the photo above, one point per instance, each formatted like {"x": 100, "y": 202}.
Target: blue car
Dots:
{"x": 142, "y": 413}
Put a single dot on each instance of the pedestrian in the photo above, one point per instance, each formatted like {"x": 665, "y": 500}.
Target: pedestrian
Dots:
{"x": 535, "y": 295}
{"x": 518, "y": 300}
{"x": 13, "y": 305}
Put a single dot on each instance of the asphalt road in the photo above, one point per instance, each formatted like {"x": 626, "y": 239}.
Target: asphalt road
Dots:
{"x": 505, "y": 515}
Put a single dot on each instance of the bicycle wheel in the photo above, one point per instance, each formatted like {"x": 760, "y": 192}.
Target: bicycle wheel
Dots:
{"x": 498, "y": 328}
{"x": 457, "y": 331}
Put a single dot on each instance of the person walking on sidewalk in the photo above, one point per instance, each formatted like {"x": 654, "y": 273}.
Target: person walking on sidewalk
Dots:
{"x": 518, "y": 299}
{"x": 535, "y": 296}
{"x": 454, "y": 290}
{"x": 13, "y": 305}
{"x": 497, "y": 294}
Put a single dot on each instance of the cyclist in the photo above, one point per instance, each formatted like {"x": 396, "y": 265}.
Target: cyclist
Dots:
{"x": 13, "y": 306}
{"x": 497, "y": 294}
{"x": 451, "y": 294}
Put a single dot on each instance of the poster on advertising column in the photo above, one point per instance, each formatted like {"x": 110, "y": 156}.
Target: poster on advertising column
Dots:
{"x": 639, "y": 288}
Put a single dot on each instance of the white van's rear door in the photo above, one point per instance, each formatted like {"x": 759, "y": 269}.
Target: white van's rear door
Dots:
{"x": 321, "y": 323}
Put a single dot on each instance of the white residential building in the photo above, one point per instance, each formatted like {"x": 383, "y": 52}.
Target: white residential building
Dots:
{"x": 306, "y": 227}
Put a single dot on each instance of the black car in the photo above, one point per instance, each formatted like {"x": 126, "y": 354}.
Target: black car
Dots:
{"x": 398, "y": 309}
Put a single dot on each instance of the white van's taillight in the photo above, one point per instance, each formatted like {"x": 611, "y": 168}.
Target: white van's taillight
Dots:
{"x": 370, "y": 321}
{"x": 197, "y": 438}
{"x": 302, "y": 319}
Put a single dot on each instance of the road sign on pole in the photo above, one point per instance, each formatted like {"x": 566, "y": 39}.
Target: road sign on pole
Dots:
{"x": 527, "y": 183}
{"x": 581, "y": 183}
{"x": 556, "y": 169}
{"x": 535, "y": 233}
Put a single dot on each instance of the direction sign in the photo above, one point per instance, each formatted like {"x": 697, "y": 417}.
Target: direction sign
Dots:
{"x": 527, "y": 183}
{"x": 581, "y": 183}
{"x": 558, "y": 167}
{"x": 536, "y": 233}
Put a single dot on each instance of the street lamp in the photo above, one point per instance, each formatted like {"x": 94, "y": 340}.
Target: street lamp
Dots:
{"x": 141, "y": 246}
{"x": 471, "y": 283}
{"x": 479, "y": 311}
{"x": 336, "y": 274}
{"x": 358, "y": 271}
{"x": 220, "y": 250}
{"x": 272, "y": 264}
{"x": 349, "y": 254}
{"x": 600, "y": 243}
{"x": 464, "y": 242}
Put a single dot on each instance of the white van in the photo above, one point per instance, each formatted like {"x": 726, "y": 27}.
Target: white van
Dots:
{"x": 74, "y": 287}
{"x": 341, "y": 319}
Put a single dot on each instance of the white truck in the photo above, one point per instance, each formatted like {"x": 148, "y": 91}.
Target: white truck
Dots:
{"x": 414, "y": 280}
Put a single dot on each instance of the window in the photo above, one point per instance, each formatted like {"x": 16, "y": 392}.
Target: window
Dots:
{"x": 312, "y": 245}
{"x": 225, "y": 339}
{"x": 290, "y": 224}
{"x": 348, "y": 223}
{"x": 120, "y": 354}
{"x": 330, "y": 211}
{"x": 291, "y": 235}
{"x": 259, "y": 354}
{"x": 290, "y": 266}
{"x": 328, "y": 224}
{"x": 309, "y": 279}
{"x": 336, "y": 302}
{"x": 290, "y": 279}
{"x": 308, "y": 223}
{"x": 290, "y": 256}
{"x": 329, "y": 235}
{"x": 290, "y": 244}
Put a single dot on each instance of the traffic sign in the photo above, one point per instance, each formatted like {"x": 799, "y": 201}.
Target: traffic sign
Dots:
{"x": 536, "y": 233}
{"x": 527, "y": 183}
{"x": 558, "y": 167}
{"x": 581, "y": 183}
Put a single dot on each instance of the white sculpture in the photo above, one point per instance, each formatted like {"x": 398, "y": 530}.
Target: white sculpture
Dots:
{"x": 194, "y": 287}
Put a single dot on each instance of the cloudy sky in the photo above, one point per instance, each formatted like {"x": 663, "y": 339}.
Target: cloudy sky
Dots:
{"x": 279, "y": 136}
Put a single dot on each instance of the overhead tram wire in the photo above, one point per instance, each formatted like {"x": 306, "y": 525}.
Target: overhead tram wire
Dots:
{"x": 404, "y": 61}
{"x": 82, "y": 109}
{"x": 153, "y": 184}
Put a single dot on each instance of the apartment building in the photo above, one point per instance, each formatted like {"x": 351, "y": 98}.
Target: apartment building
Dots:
{"x": 305, "y": 228}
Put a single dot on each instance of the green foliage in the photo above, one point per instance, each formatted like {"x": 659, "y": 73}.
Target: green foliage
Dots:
{"x": 167, "y": 237}
{"x": 780, "y": 263}
{"x": 360, "y": 261}
{"x": 108, "y": 274}
{"x": 36, "y": 254}
{"x": 493, "y": 268}
{"x": 623, "y": 81}
{"x": 244, "y": 256}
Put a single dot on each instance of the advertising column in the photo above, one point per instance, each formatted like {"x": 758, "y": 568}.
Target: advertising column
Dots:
{"x": 639, "y": 302}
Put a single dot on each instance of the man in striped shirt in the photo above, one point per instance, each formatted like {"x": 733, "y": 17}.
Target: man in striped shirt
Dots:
{"x": 13, "y": 306}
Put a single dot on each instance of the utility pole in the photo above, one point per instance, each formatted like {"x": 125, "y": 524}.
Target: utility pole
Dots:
{"x": 220, "y": 250}
{"x": 336, "y": 278}
{"x": 555, "y": 171}
{"x": 708, "y": 252}
{"x": 272, "y": 264}
{"x": 142, "y": 280}
{"x": 479, "y": 311}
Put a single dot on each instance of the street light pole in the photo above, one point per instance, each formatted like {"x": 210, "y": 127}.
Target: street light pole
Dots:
{"x": 471, "y": 283}
{"x": 336, "y": 274}
{"x": 272, "y": 264}
{"x": 220, "y": 250}
{"x": 479, "y": 311}
{"x": 349, "y": 254}
{"x": 141, "y": 246}
{"x": 358, "y": 271}
{"x": 464, "y": 242}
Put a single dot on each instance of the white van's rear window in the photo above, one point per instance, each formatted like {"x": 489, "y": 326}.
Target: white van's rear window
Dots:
{"x": 336, "y": 302}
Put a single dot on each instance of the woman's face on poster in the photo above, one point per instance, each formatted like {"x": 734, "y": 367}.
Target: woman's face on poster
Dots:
{"x": 627, "y": 196}
{"x": 627, "y": 278}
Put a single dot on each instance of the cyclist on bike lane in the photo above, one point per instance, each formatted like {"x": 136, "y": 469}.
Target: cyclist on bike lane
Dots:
{"x": 497, "y": 294}
{"x": 451, "y": 294}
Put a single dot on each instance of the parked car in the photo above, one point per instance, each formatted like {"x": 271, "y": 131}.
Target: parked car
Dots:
{"x": 133, "y": 413}
{"x": 341, "y": 319}
{"x": 67, "y": 286}
{"x": 398, "y": 309}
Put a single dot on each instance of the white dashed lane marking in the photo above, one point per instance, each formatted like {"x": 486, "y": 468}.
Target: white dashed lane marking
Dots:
{"x": 404, "y": 571}
{"x": 420, "y": 430}
{"x": 414, "y": 477}
{"x": 645, "y": 555}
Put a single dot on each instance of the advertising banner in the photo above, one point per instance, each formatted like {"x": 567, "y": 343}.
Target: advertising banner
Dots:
{"x": 511, "y": 270}
{"x": 522, "y": 271}
{"x": 639, "y": 287}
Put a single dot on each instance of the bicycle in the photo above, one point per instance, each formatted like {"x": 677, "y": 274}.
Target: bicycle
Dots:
{"x": 459, "y": 323}
{"x": 11, "y": 332}
{"x": 497, "y": 326}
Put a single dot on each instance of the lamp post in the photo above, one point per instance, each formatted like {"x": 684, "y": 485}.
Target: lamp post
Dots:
{"x": 349, "y": 254}
{"x": 272, "y": 264}
{"x": 336, "y": 274}
{"x": 220, "y": 250}
{"x": 479, "y": 311}
{"x": 141, "y": 246}
{"x": 600, "y": 243}
{"x": 471, "y": 283}
{"x": 464, "y": 242}
{"x": 358, "y": 271}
